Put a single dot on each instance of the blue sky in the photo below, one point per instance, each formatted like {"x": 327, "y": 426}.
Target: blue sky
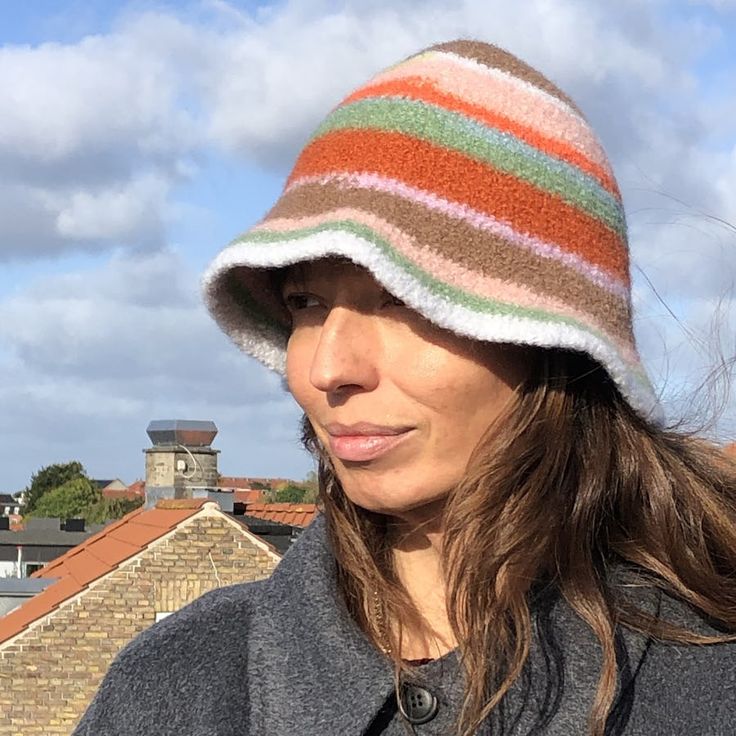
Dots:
{"x": 137, "y": 138}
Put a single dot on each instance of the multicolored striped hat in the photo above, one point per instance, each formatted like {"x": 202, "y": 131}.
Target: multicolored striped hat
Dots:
{"x": 475, "y": 191}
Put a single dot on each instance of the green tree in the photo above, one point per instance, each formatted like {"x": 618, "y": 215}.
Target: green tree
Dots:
{"x": 292, "y": 493}
{"x": 108, "y": 509}
{"x": 69, "y": 500}
{"x": 49, "y": 478}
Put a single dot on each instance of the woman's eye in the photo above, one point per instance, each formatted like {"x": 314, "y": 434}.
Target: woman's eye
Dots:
{"x": 295, "y": 302}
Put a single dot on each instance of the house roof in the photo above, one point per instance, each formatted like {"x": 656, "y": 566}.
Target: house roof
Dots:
{"x": 41, "y": 532}
{"x": 127, "y": 493}
{"x": 100, "y": 555}
{"x": 292, "y": 514}
{"x": 233, "y": 481}
{"x": 138, "y": 487}
{"x": 7, "y": 498}
{"x": 251, "y": 495}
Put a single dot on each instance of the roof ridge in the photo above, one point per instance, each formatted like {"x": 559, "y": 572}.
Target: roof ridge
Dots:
{"x": 180, "y": 503}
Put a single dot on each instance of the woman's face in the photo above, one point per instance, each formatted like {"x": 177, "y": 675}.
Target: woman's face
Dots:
{"x": 398, "y": 403}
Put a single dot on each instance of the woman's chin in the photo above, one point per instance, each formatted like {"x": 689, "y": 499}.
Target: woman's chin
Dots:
{"x": 403, "y": 505}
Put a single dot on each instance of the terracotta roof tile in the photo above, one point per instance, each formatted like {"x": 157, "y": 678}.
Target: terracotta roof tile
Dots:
{"x": 49, "y": 570}
{"x": 96, "y": 556}
{"x": 138, "y": 487}
{"x": 17, "y": 620}
{"x": 293, "y": 514}
{"x": 233, "y": 481}
{"x": 115, "y": 524}
{"x": 140, "y": 535}
{"x": 59, "y": 591}
{"x": 85, "y": 567}
{"x": 248, "y": 496}
{"x": 37, "y": 607}
{"x": 115, "y": 493}
{"x": 165, "y": 518}
{"x": 111, "y": 551}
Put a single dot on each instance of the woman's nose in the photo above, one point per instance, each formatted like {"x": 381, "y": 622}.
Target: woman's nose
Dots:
{"x": 347, "y": 352}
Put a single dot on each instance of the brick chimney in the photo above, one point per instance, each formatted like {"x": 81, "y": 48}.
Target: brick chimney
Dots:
{"x": 181, "y": 462}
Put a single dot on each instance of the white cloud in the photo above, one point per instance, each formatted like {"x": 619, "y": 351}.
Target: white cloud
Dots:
{"x": 89, "y": 358}
{"x": 103, "y": 91}
{"x": 95, "y": 136}
{"x": 270, "y": 83}
{"x": 116, "y": 213}
{"x": 83, "y": 127}
{"x": 137, "y": 317}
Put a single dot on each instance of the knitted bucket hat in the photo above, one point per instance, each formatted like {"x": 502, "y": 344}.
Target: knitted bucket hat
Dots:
{"x": 475, "y": 191}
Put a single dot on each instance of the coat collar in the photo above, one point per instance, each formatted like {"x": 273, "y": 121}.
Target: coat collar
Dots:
{"x": 304, "y": 589}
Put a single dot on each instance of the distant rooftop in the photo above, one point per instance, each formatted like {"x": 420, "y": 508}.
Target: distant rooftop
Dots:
{"x": 41, "y": 532}
{"x": 23, "y": 587}
{"x": 187, "y": 432}
{"x": 291, "y": 514}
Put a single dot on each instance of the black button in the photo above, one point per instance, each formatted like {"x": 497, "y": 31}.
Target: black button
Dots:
{"x": 418, "y": 705}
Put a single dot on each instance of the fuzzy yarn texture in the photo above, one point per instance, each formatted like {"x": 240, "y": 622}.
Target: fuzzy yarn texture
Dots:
{"x": 283, "y": 657}
{"x": 475, "y": 191}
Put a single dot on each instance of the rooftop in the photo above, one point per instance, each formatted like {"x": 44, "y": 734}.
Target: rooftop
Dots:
{"x": 97, "y": 556}
{"x": 235, "y": 481}
{"x": 247, "y": 496}
{"x": 47, "y": 532}
{"x": 292, "y": 514}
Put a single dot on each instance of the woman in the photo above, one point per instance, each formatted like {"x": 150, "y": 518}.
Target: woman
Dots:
{"x": 510, "y": 542}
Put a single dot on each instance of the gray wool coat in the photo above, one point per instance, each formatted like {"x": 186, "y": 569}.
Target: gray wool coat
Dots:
{"x": 283, "y": 657}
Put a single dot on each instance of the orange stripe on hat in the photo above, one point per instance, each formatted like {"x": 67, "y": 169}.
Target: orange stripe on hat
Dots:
{"x": 462, "y": 179}
{"x": 416, "y": 88}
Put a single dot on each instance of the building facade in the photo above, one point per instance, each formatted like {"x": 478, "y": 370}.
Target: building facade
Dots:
{"x": 56, "y": 647}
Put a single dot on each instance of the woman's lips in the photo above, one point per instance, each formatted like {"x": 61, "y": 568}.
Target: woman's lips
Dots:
{"x": 363, "y": 447}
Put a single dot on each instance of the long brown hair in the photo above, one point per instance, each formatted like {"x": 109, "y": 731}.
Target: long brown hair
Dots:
{"x": 569, "y": 481}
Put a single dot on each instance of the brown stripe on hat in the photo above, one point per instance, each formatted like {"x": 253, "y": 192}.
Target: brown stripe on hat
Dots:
{"x": 455, "y": 176}
{"x": 497, "y": 58}
{"x": 476, "y": 250}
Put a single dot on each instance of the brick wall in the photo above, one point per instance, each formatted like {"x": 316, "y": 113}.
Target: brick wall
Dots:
{"x": 49, "y": 673}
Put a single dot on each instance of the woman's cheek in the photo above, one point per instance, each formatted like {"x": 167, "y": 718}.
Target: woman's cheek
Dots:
{"x": 298, "y": 362}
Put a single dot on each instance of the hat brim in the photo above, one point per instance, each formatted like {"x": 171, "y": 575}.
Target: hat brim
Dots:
{"x": 238, "y": 293}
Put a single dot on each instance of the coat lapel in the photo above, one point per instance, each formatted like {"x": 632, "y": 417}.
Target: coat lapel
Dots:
{"x": 338, "y": 680}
